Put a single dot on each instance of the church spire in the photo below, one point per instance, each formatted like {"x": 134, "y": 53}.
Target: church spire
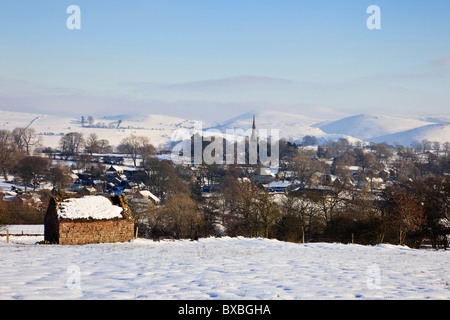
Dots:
{"x": 253, "y": 138}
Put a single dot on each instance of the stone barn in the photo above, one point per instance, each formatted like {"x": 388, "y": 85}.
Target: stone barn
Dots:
{"x": 88, "y": 219}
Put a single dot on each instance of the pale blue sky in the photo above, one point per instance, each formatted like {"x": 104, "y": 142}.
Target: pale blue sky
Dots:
{"x": 287, "y": 53}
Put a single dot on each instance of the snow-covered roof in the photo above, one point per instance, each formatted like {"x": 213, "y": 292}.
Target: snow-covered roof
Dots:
{"x": 115, "y": 168}
{"x": 278, "y": 184}
{"x": 88, "y": 207}
{"x": 148, "y": 194}
{"x": 74, "y": 176}
{"x": 269, "y": 171}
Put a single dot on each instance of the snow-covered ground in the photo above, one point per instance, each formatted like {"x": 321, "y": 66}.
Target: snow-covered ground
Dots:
{"x": 220, "y": 268}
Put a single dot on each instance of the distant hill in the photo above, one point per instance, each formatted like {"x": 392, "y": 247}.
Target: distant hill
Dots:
{"x": 368, "y": 126}
{"x": 292, "y": 127}
{"x": 432, "y": 132}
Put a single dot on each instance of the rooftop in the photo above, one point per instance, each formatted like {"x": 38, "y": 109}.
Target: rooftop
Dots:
{"x": 89, "y": 207}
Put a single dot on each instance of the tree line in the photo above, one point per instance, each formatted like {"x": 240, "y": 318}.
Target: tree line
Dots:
{"x": 402, "y": 214}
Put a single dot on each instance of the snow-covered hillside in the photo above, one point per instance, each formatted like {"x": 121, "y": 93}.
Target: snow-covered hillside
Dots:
{"x": 367, "y": 126}
{"x": 220, "y": 268}
{"x": 431, "y": 132}
{"x": 50, "y": 128}
{"x": 293, "y": 127}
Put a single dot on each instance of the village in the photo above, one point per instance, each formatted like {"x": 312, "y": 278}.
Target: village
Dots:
{"x": 331, "y": 192}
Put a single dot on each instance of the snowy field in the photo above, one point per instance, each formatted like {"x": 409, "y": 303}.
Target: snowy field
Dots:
{"x": 220, "y": 268}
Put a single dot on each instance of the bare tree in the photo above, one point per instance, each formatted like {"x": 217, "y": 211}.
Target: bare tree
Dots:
{"x": 25, "y": 139}
{"x": 309, "y": 141}
{"x": 446, "y": 147}
{"x": 409, "y": 215}
{"x": 105, "y": 147}
{"x": 71, "y": 143}
{"x": 180, "y": 217}
{"x": 60, "y": 177}
{"x": 382, "y": 151}
{"x": 90, "y": 119}
{"x": 341, "y": 164}
{"x": 299, "y": 217}
{"x": 92, "y": 144}
{"x": 136, "y": 146}
{"x": 426, "y": 145}
{"x": 436, "y": 146}
{"x": 16, "y": 136}
{"x": 96, "y": 145}
{"x": 30, "y": 140}
{"x": 31, "y": 170}
{"x": 304, "y": 164}
{"x": 268, "y": 212}
{"x": 251, "y": 211}
{"x": 9, "y": 154}
{"x": 158, "y": 176}
{"x": 370, "y": 164}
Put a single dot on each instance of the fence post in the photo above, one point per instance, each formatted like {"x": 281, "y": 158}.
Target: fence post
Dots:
{"x": 7, "y": 235}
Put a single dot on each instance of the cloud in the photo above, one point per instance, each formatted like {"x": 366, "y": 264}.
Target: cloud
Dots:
{"x": 399, "y": 77}
{"x": 238, "y": 82}
{"x": 443, "y": 62}
{"x": 255, "y": 89}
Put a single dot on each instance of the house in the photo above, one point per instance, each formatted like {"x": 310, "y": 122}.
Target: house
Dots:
{"x": 211, "y": 188}
{"x": 73, "y": 176}
{"x": 89, "y": 219}
{"x": 114, "y": 169}
{"x": 86, "y": 190}
{"x": 266, "y": 175}
{"x": 145, "y": 196}
{"x": 277, "y": 186}
{"x": 8, "y": 195}
{"x": 368, "y": 184}
{"x": 29, "y": 199}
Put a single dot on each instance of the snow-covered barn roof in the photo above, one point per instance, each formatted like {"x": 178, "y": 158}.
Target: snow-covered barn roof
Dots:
{"x": 88, "y": 207}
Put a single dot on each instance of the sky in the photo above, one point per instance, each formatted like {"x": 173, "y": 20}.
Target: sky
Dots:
{"x": 213, "y": 60}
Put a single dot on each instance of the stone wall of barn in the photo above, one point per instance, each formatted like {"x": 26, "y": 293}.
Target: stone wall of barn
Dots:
{"x": 97, "y": 231}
